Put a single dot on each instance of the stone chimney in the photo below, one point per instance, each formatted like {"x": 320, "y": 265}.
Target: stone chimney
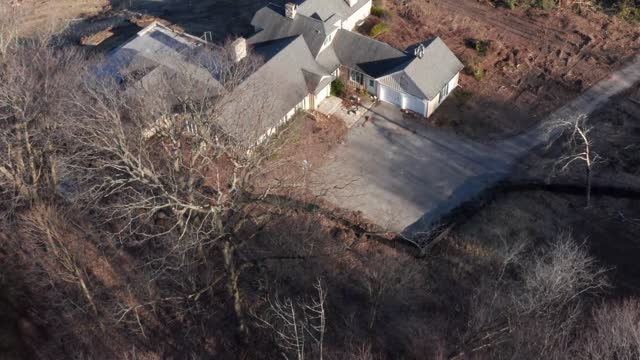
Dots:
{"x": 239, "y": 48}
{"x": 290, "y": 10}
{"x": 351, "y": 2}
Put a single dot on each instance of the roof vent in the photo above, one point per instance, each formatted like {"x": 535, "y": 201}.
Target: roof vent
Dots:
{"x": 290, "y": 10}
{"x": 419, "y": 51}
{"x": 351, "y": 2}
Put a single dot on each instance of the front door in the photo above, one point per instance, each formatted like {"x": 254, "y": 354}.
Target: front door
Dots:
{"x": 357, "y": 77}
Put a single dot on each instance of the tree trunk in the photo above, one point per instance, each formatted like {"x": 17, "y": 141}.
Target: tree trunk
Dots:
{"x": 233, "y": 274}
{"x": 588, "y": 186}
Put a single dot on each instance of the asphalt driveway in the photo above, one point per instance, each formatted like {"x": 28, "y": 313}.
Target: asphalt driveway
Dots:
{"x": 404, "y": 176}
{"x": 400, "y": 174}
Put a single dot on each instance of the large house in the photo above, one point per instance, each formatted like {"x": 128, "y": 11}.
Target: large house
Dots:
{"x": 306, "y": 45}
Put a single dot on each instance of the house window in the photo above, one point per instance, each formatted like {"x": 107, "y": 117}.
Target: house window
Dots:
{"x": 357, "y": 77}
{"x": 444, "y": 92}
{"x": 371, "y": 83}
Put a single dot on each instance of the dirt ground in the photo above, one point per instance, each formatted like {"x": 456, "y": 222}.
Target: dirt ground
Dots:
{"x": 221, "y": 18}
{"x": 300, "y": 149}
{"x": 526, "y": 64}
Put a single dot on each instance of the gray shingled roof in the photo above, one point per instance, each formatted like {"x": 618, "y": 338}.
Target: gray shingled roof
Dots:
{"x": 276, "y": 26}
{"x": 271, "y": 92}
{"x": 367, "y": 55}
{"x": 324, "y": 9}
{"x": 316, "y": 82}
{"x": 328, "y": 59}
{"x": 437, "y": 56}
{"x": 158, "y": 46}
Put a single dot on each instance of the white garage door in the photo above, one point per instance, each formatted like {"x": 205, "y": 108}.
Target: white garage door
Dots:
{"x": 414, "y": 104}
{"x": 404, "y": 101}
{"x": 389, "y": 95}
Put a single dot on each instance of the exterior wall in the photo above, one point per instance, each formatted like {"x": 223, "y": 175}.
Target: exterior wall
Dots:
{"x": 323, "y": 94}
{"x": 435, "y": 102}
{"x": 368, "y": 82}
{"x": 361, "y": 14}
{"x": 302, "y": 105}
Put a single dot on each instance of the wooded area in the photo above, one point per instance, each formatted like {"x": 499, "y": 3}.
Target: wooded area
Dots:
{"x": 133, "y": 227}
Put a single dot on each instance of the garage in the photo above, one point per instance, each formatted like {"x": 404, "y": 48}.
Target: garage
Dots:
{"x": 404, "y": 101}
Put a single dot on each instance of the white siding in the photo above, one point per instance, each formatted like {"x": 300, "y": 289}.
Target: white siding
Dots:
{"x": 323, "y": 94}
{"x": 435, "y": 103}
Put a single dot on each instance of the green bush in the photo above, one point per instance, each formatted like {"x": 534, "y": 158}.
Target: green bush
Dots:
{"x": 378, "y": 11}
{"x": 510, "y": 4}
{"x": 378, "y": 30}
{"x": 337, "y": 88}
{"x": 628, "y": 10}
{"x": 462, "y": 95}
{"x": 546, "y": 5}
{"x": 478, "y": 74}
{"x": 481, "y": 46}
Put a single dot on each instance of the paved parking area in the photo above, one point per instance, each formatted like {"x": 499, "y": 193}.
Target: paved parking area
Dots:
{"x": 401, "y": 174}
{"x": 404, "y": 176}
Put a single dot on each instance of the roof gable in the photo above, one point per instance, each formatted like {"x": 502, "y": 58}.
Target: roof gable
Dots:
{"x": 435, "y": 69}
{"x": 276, "y": 26}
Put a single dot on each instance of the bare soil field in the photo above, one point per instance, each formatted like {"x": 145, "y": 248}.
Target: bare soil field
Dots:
{"x": 520, "y": 64}
{"x": 302, "y": 147}
{"x": 221, "y": 18}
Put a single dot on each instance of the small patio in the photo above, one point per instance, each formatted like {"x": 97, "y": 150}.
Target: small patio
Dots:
{"x": 333, "y": 106}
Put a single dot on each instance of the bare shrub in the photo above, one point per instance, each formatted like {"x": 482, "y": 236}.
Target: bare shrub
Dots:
{"x": 387, "y": 276}
{"x": 536, "y": 308}
{"x": 298, "y": 327}
{"x": 557, "y": 277}
{"x": 615, "y": 333}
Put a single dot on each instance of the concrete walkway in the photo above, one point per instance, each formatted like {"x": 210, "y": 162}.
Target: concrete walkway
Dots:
{"x": 406, "y": 177}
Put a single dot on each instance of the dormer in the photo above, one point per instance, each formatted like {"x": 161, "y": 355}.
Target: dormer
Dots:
{"x": 351, "y": 3}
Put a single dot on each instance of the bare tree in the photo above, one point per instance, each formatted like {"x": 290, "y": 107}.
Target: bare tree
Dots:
{"x": 577, "y": 141}
{"x": 162, "y": 165}
{"x": 385, "y": 277}
{"x": 34, "y": 83}
{"x": 8, "y": 28}
{"x": 296, "y": 323}
{"x": 49, "y": 242}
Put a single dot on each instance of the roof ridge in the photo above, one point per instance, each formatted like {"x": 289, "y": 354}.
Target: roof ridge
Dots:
{"x": 370, "y": 38}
